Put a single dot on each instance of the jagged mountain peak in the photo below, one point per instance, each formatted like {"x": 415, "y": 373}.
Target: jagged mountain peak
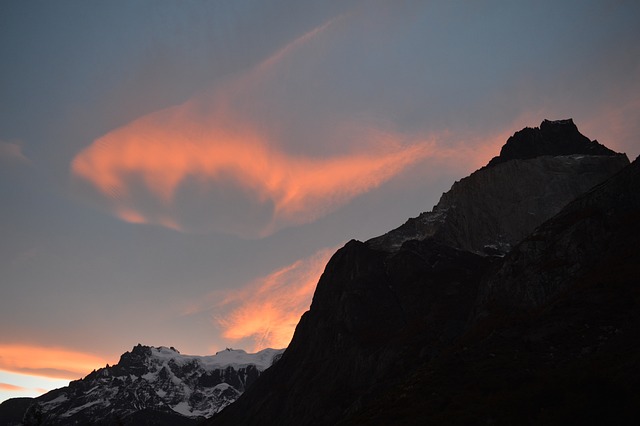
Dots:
{"x": 553, "y": 137}
{"x": 160, "y": 381}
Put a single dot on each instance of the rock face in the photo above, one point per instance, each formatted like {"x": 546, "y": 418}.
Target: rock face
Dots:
{"x": 424, "y": 326}
{"x": 157, "y": 385}
{"x": 602, "y": 227}
{"x": 495, "y": 207}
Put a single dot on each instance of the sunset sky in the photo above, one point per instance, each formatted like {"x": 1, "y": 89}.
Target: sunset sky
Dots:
{"x": 178, "y": 173}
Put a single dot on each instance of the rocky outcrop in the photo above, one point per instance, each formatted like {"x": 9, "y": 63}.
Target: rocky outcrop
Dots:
{"x": 157, "y": 385}
{"x": 555, "y": 138}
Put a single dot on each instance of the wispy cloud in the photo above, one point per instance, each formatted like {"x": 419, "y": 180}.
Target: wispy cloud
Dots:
{"x": 47, "y": 361}
{"x": 11, "y": 388}
{"x": 213, "y": 164}
{"x": 267, "y": 311}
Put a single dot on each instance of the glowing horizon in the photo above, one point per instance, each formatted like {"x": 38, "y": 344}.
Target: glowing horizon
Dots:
{"x": 28, "y": 370}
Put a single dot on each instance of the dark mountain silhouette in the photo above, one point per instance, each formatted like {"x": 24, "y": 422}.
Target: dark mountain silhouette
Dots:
{"x": 559, "y": 137}
{"x": 425, "y": 325}
{"x": 12, "y": 410}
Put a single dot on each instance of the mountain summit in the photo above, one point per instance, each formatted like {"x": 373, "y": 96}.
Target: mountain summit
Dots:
{"x": 430, "y": 324}
{"x": 557, "y": 137}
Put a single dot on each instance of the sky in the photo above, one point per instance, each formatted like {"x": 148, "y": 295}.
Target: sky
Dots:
{"x": 179, "y": 173}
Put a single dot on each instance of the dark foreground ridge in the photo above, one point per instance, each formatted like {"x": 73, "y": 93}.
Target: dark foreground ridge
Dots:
{"x": 417, "y": 328}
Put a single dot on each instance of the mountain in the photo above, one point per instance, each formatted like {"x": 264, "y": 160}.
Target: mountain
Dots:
{"x": 538, "y": 172}
{"x": 152, "y": 385}
{"x": 12, "y": 410}
{"x": 509, "y": 303}
{"x": 554, "y": 334}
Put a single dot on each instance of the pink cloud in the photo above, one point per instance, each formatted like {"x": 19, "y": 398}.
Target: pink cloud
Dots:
{"x": 268, "y": 310}
{"x": 11, "y": 388}
{"x": 210, "y": 165}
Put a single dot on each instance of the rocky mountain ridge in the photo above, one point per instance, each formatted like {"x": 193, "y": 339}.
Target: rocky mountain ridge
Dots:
{"x": 155, "y": 383}
{"x": 426, "y": 325}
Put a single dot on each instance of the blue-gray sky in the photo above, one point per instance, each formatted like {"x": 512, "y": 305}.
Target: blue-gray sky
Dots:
{"x": 177, "y": 173}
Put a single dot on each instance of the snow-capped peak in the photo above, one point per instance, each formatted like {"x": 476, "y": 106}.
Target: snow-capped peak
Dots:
{"x": 156, "y": 378}
{"x": 235, "y": 358}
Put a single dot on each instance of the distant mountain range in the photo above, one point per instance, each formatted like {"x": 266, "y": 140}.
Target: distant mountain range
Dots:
{"x": 147, "y": 386}
{"x": 515, "y": 300}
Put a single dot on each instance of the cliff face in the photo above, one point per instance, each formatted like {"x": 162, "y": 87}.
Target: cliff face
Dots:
{"x": 417, "y": 325}
{"x": 594, "y": 238}
{"x": 495, "y": 207}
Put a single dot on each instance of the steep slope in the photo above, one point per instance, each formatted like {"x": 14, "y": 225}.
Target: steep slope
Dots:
{"x": 372, "y": 320}
{"x": 153, "y": 383}
{"x": 385, "y": 309}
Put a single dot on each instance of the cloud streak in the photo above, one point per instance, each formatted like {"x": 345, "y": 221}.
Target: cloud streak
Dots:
{"x": 47, "y": 361}
{"x": 7, "y": 387}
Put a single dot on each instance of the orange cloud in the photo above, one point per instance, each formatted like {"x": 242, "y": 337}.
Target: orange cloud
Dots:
{"x": 209, "y": 165}
{"x": 47, "y": 361}
{"x": 11, "y": 388}
{"x": 159, "y": 158}
{"x": 268, "y": 310}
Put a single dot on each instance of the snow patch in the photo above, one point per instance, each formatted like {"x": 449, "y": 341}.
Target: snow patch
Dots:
{"x": 235, "y": 358}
